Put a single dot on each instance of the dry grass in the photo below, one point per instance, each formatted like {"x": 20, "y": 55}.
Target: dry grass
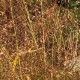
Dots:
{"x": 35, "y": 41}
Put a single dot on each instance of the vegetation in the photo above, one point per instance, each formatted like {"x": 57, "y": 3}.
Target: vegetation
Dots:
{"x": 38, "y": 38}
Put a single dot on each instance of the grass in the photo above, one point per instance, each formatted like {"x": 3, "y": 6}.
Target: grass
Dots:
{"x": 36, "y": 41}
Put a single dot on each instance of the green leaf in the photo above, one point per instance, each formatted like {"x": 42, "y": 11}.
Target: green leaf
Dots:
{"x": 73, "y": 4}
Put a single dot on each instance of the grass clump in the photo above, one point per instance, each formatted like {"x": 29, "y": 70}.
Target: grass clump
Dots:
{"x": 37, "y": 40}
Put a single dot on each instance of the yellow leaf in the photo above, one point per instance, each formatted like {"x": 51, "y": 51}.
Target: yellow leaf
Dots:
{"x": 14, "y": 63}
{"x": 29, "y": 50}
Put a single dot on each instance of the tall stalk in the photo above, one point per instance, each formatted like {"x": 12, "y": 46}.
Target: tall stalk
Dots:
{"x": 30, "y": 24}
{"x": 45, "y": 56}
{"x": 15, "y": 27}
